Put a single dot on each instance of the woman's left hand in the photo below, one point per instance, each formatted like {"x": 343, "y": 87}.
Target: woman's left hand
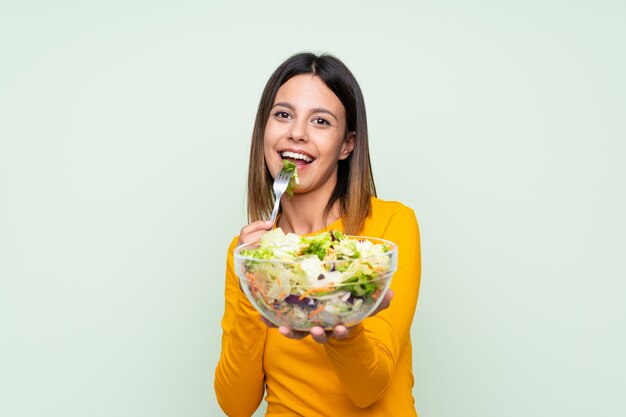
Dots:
{"x": 319, "y": 334}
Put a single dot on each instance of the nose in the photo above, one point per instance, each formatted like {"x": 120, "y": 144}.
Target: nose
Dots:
{"x": 298, "y": 131}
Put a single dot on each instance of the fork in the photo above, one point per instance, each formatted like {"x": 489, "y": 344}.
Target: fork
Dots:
{"x": 280, "y": 185}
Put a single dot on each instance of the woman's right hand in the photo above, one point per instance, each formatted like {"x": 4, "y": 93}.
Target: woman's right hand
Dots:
{"x": 254, "y": 231}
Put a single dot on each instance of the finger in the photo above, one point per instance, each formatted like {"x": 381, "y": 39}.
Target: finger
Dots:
{"x": 386, "y": 301}
{"x": 259, "y": 225}
{"x": 318, "y": 334}
{"x": 288, "y": 332}
{"x": 253, "y": 231}
{"x": 340, "y": 332}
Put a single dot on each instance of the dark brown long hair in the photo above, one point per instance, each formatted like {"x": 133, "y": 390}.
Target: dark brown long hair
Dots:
{"x": 355, "y": 183}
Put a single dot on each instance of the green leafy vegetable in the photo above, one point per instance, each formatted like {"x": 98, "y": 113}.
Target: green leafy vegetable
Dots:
{"x": 317, "y": 245}
{"x": 361, "y": 285}
{"x": 291, "y": 168}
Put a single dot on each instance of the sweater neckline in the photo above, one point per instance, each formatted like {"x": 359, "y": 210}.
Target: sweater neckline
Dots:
{"x": 336, "y": 225}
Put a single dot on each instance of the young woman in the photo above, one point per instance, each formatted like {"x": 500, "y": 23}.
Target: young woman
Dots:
{"x": 312, "y": 112}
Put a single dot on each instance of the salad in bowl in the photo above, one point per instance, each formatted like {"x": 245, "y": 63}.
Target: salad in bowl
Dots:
{"x": 315, "y": 280}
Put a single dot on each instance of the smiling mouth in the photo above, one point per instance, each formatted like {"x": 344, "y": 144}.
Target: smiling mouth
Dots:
{"x": 296, "y": 157}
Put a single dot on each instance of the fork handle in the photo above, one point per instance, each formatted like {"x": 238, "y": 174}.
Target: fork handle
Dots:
{"x": 275, "y": 211}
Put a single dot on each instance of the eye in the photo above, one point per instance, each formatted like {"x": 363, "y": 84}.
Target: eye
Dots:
{"x": 282, "y": 114}
{"x": 321, "y": 121}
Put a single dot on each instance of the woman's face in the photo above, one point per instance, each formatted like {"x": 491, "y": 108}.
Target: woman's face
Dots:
{"x": 307, "y": 126}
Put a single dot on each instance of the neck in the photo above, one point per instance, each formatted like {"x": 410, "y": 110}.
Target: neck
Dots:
{"x": 304, "y": 213}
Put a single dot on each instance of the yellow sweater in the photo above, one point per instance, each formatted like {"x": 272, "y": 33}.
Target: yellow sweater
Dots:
{"x": 367, "y": 374}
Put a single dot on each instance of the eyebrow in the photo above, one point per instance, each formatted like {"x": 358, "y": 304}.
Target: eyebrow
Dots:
{"x": 314, "y": 110}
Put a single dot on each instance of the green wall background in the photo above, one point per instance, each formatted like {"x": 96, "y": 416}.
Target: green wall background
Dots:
{"x": 124, "y": 134}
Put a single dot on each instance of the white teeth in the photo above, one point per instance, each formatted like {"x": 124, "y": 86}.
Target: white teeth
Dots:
{"x": 294, "y": 155}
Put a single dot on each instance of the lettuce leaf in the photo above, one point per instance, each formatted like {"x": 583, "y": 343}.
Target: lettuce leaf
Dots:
{"x": 291, "y": 168}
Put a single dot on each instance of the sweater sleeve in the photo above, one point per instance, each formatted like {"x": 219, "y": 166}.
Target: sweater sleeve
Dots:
{"x": 365, "y": 361}
{"x": 239, "y": 377}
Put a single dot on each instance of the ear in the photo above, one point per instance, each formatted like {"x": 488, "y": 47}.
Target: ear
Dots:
{"x": 347, "y": 146}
